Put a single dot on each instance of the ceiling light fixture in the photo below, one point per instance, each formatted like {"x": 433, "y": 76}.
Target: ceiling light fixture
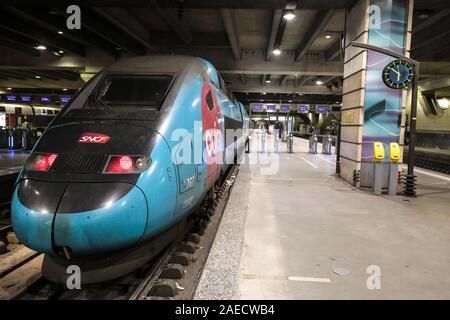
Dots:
{"x": 37, "y": 77}
{"x": 41, "y": 47}
{"x": 276, "y": 51}
{"x": 60, "y": 32}
{"x": 264, "y": 93}
{"x": 443, "y": 103}
{"x": 327, "y": 36}
{"x": 60, "y": 51}
{"x": 319, "y": 83}
{"x": 8, "y": 88}
{"x": 268, "y": 81}
{"x": 289, "y": 15}
{"x": 64, "y": 89}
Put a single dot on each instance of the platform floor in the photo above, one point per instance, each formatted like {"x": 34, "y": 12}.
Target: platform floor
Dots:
{"x": 282, "y": 236}
{"x": 12, "y": 160}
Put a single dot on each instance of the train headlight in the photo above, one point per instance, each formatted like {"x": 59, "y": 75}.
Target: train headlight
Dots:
{"x": 127, "y": 164}
{"x": 41, "y": 161}
{"x": 142, "y": 163}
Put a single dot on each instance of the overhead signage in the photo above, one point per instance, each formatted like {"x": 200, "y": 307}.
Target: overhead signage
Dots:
{"x": 256, "y": 106}
{"x": 284, "y": 108}
{"x": 303, "y": 108}
{"x": 11, "y": 98}
{"x": 322, "y": 109}
{"x": 46, "y": 99}
{"x": 271, "y": 107}
{"x": 64, "y": 100}
{"x": 25, "y": 98}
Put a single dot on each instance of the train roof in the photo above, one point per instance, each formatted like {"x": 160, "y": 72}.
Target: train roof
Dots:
{"x": 157, "y": 63}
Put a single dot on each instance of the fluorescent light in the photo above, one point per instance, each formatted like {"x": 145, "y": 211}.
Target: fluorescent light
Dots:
{"x": 37, "y": 77}
{"x": 60, "y": 32}
{"x": 41, "y": 47}
{"x": 64, "y": 89}
{"x": 327, "y": 36}
{"x": 8, "y": 88}
{"x": 61, "y": 52}
{"x": 319, "y": 83}
{"x": 289, "y": 15}
{"x": 443, "y": 103}
{"x": 276, "y": 51}
{"x": 263, "y": 93}
{"x": 424, "y": 15}
{"x": 290, "y": 101}
{"x": 268, "y": 81}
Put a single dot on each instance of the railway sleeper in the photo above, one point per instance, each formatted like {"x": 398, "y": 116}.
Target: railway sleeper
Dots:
{"x": 187, "y": 247}
{"x": 193, "y": 237}
{"x": 181, "y": 258}
{"x": 164, "y": 288}
{"x": 172, "y": 271}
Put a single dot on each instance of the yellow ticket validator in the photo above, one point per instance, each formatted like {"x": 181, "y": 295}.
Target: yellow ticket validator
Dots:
{"x": 378, "y": 151}
{"x": 394, "y": 152}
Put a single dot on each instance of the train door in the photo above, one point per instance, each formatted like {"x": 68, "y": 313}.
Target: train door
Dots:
{"x": 188, "y": 186}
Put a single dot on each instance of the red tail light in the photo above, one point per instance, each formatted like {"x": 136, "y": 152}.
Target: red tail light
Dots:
{"x": 127, "y": 164}
{"x": 41, "y": 162}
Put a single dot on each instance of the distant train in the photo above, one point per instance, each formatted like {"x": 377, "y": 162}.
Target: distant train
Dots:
{"x": 29, "y": 110}
{"x": 116, "y": 174}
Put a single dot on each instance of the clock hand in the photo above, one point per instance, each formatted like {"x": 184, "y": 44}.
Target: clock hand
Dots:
{"x": 399, "y": 73}
{"x": 394, "y": 70}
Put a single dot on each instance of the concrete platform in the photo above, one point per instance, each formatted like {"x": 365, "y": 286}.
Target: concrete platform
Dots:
{"x": 282, "y": 236}
{"x": 12, "y": 161}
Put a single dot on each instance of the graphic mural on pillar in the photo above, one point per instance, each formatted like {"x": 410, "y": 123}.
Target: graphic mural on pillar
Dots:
{"x": 382, "y": 105}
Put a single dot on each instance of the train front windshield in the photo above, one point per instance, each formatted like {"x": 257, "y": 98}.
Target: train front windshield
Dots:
{"x": 121, "y": 96}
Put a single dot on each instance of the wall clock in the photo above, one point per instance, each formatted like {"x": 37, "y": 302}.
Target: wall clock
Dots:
{"x": 398, "y": 74}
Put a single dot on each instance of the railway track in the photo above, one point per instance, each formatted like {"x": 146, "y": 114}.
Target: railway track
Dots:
{"x": 173, "y": 274}
{"x": 430, "y": 160}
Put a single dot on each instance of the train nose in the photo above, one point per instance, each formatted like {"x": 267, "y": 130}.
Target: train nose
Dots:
{"x": 90, "y": 218}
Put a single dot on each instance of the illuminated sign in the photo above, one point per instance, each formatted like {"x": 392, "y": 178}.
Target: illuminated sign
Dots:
{"x": 303, "y": 108}
{"x": 65, "y": 99}
{"x": 93, "y": 137}
{"x": 284, "y": 108}
{"x": 11, "y": 98}
{"x": 271, "y": 107}
{"x": 322, "y": 109}
{"x": 46, "y": 99}
{"x": 257, "y": 107}
{"x": 2, "y": 119}
{"x": 25, "y": 98}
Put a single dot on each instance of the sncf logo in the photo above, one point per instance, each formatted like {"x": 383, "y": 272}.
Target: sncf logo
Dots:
{"x": 92, "y": 137}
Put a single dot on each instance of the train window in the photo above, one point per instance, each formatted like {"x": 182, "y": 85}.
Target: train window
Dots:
{"x": 135, "y": 90}
{"x": 2, "y": 109}
{"x": 209, "y": 101}
{"x": 49, "y": 111}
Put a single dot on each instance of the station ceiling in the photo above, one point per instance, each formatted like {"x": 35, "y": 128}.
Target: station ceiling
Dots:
{"x": 238, "y": 37}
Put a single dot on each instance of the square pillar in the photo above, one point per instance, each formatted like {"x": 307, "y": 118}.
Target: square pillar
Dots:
{"x": 370, "y": 110}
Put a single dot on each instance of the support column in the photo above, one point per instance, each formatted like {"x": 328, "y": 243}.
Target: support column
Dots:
{"x": 371, "y": 111}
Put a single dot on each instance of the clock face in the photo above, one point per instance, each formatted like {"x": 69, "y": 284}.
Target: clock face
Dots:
{"x": 398, "y": 74}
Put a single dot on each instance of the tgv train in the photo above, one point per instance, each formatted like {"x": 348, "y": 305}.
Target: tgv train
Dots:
{"x": 138, "y": 149}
